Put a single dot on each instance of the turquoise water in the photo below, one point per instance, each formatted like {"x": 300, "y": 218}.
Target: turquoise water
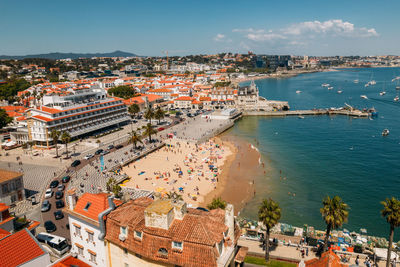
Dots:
{"x": 307, "y": 159}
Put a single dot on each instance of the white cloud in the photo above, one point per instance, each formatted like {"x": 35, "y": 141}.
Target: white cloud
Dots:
{"x": 219, "y": 37}
{"x": 335, "y": 27}
{"x": 264, "y": 36}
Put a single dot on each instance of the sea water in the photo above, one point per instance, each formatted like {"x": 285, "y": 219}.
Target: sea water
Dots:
{"x": 307, "y": 159}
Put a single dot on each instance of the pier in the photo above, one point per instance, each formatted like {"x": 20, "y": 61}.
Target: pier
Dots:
{"x": 346, "y": 112}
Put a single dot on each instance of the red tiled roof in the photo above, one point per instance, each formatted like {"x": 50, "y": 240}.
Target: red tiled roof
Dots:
{"x": 19, "y": 248}
{"x": 184, "y": 98}
{"x": 98, "y": 203}
{"x": 198, "y": 230}
{"x": 3, "y": 233}
{"x": 328, "y": 259}
{"x": 70, "y": 261}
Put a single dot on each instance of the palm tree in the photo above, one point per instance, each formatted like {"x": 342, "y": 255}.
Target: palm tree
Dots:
{"x": 217, "y": 203}
{"x": 134, "y": 138}
{"x": 159, "y": 114}
{"x": 391, "y": 211}
{"x": 149, "y": 131}
{"x": 335, "y": 213}
{"x": 175, "y": 197}
{"x": 65, "y": 138}
{"x": 149, "y": 114}
{"x": 269, "y": 214}
{"x": 55, "y": 135}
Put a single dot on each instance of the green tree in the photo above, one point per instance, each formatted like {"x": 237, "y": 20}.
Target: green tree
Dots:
{"x": 149, "y": 114}
{"x": 175, "y": 197}
{"x": 123, "y": 91}
{"x": 134, "y": 139}
{"x": 65, "y": 138}
{"x": 113, "y": 187}
{"x": 269, "y": 214}
{"x": 159, "y": 114}
{"x": 149, "y": 131}
{"x": 217, "y": 203}
{"x": 133, "y": 109}
{"x": 391, "y": 211}
{"x": 4, "y": 118}
{"x": 335, "y": 212}
{"x": 55, "y": 135}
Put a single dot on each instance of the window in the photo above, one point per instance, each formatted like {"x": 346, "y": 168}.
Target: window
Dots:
{"x": 87, "y": 206}
{"x": 4, "y": 187}
{"x": 90, "y": 237}
{"x": 13, "y": 198}
{"x": 92, "y": 256}
{"x": 138, "y": 234}
{"x": 176, "y": 244}
{"x": 77, "y": 230}
{"x": 163, "y": 252}
{"x": 123, "y": 231}
{"x": 125, "y": 251}
{"x": 80, "y": 249}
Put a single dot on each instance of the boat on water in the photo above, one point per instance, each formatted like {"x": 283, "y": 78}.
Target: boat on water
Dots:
{"x": 382, "y": 93}
{"x": 385, "y": 132}
{"x": 325, "y": 85}
{"x": 373, "y": 112}
{"x": 340, "y": 91}
{"x": 298, "y": 92}
{"x": 366, "y": 85}
{"x": 330, "y": 87}
{"x": 373, "y": 82}
{"x": 300, "y": 117}
{"x": 364, "y": 96}
{"x": 396, "y": 98}
{"x": 356, "y": 81}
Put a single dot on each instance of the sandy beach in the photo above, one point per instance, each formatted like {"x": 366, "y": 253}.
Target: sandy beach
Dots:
{"x": 238, "y": 178}
{"x": 191, "y": 170}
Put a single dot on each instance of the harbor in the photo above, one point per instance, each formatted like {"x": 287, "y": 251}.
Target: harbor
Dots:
{"x": 330, "y": 111}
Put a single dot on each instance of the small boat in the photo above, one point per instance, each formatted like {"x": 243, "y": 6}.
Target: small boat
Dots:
{"x": 397, "y": 87}
{"x": 298, "y": 92}
{"x": 325, "y": 85}
{"x": 300, "y": 117}
{"x": 396, "y": 98}
{"x": 366, "y": 85}
{"x": 339, "y": 92}
{"x": 382, "y": 93}
{"x": 356, "y": 81}
{"x": 385, "y": 132}
{"x": 373, "y": 82}
{"x": 330, "y": 87}
{"x": 364, "y": 96}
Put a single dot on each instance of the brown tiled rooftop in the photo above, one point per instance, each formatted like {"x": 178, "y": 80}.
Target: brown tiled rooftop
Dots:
{"x": 6, "y": 175}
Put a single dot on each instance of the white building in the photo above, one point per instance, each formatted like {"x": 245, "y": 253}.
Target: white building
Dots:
{"x": 77, "y": 112}
{"x": 87, "y": 226}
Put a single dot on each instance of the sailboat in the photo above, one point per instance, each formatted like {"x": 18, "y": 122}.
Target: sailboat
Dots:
{"x": 383, "y": 92}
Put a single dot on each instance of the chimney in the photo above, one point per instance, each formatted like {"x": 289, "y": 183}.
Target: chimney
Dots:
{"x": 230, "y": 221}
{"x": 72, "y": 198}
{"x": 180, "y": 209}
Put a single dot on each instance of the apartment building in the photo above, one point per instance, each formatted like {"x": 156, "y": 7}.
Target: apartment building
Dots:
{"x": 164, "y": 232}
{"x": 11, "y": 187}
{"x": 77, "y": 112}
{"x": 87, "y": 226}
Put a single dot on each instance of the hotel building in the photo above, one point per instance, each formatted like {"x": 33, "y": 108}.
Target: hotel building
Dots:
{"x": 77, "y": 112}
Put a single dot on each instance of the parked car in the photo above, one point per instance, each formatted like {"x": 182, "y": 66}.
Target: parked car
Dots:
{"x": 45, "y": 206}
{"x": 60, "y": 187}
{"x": 98, "y": 152}
{"x": 60, "y": 204}
{"x": 105, "y": 152}
{"x": 59, "y": 194}
{"x": 88, "y": 156}
{"x": 75, "y": 163}
{"x": 119, "y": 146}
{"x": 54, "y": 184}
{"x": 161, "y": 129}
{"x": 50, "y": 226}
{"x": 110, "y": 147}
{"x": 49, "y": 193}
{"x": 66, "y": 179}
{"x": 58, "y": 215}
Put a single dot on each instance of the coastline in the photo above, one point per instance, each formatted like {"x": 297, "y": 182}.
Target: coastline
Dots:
{"x": 237, "y": 180}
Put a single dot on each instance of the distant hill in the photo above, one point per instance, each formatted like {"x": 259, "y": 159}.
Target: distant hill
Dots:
{"x": 58, "y": 55}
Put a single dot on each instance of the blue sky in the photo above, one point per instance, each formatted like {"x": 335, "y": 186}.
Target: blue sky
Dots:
{"x": 298, "y": 27}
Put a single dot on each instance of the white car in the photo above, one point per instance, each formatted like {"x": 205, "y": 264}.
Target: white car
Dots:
{"x": 88, "y": 156}
{"x": 49, "y": 193}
